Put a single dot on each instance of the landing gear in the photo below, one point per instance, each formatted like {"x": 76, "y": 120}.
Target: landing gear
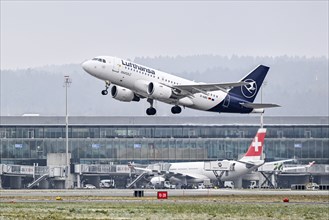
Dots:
{"x": 107, "y": 85}
{"x": 151, "y": 110}
{"x": 176, "y": 109}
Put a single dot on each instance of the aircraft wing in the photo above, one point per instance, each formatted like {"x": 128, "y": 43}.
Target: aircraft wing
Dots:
{"x": 300, "y": 167}
{"x": 280, "y": 161}
{"x": 169, "y": 174}
{"x": 207, "y": 87}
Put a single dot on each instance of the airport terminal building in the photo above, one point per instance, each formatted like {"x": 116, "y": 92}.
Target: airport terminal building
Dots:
{"x": 28, "y": 140}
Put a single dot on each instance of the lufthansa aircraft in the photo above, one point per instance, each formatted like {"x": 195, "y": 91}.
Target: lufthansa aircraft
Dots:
{"x": 132, "y": 82}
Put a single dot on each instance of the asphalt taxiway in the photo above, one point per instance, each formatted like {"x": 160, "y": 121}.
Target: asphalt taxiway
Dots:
{"x": 153, "y": 193}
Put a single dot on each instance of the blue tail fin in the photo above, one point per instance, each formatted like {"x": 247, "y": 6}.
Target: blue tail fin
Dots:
{"x": 255, "y": 80}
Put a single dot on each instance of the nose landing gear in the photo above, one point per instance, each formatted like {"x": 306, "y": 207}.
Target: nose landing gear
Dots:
{"x": 107, "y": 85}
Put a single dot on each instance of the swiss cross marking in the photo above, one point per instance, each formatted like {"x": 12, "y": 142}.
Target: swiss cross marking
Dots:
{"x": 256, "y": 144}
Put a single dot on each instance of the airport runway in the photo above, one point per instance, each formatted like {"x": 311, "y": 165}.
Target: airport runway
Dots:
{"x": 153, "y": 193}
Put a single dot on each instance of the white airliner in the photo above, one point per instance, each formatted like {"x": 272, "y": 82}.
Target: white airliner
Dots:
{"x": 226, "y": 170}
{"x": 132, "y": 82}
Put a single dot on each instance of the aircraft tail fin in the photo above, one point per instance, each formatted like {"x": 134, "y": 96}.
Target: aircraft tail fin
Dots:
{"x": 255, "y": 79}
{"x": 255, "y": 150}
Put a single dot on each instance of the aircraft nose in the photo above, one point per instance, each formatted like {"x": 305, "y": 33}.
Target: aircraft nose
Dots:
{"x": 86, "y": 66}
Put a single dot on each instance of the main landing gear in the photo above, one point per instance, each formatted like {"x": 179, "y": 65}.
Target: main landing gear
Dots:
{"x": 107, "y": 85}
{"x": 176, "y": 109}
{"x": 151, "y": 110}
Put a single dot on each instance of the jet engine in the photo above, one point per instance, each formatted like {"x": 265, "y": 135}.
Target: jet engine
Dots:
{"x": 157, "y": 180}
{"x": 123, "y": 94}
{"x": 159, "y": 91}
{"x": 141, "y": 86}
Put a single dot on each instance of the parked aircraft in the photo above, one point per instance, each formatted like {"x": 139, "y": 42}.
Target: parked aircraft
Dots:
{"x": 227, "y": 170}
{"x": 132, "y": 82}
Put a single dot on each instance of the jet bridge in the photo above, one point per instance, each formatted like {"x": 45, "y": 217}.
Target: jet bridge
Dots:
{"x": 38, "y": 173}
{"x": 220, "y": 168}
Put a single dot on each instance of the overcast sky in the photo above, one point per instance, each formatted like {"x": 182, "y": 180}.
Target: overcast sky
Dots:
{"x": 36, "y": 33}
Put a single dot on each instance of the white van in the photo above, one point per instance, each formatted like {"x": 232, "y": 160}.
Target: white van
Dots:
{"x": 109, "y": 183}
{"x": 229, "y": 184}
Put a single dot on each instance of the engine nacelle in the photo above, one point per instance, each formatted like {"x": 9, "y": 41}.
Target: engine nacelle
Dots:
{"x": 123, "y": 94}
{"x": 141, "y": 86}
{"x": 159, "y": 91}
{"x": 157, "y": 180}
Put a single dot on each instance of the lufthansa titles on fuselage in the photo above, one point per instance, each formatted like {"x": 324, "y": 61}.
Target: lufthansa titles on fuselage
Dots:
{"x": 137, "y": 67}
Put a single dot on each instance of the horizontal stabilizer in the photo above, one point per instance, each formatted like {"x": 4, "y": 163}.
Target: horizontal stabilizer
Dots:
{"x": 259, "y": 105}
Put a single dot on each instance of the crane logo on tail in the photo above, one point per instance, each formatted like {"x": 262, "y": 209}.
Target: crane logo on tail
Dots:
{"x": 249, "y": 90}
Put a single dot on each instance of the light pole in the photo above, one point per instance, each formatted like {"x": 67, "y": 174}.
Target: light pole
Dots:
{"x": 67, "y": 82}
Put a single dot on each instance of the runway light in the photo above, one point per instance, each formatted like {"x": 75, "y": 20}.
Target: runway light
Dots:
{"x": 59, "y": 198}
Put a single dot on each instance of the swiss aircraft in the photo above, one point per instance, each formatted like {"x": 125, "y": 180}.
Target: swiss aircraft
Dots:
{"x": 133, "y": 82}
{"x": 225, "y": 170}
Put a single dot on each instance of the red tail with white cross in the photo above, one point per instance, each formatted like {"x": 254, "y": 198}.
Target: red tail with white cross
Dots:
{"x": 255, "y": 149}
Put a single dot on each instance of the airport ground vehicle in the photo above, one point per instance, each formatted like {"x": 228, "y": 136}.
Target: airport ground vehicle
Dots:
{"x": 164, "y": 185}
{"x": 107, "y": 183}
{"x": 253, "y": 184}
{"x": 89, "y": 186}
{"x": 229, "y": 184}
{"x": 312, "y": 186}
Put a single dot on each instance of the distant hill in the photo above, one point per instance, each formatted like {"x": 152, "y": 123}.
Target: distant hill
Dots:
{"x": 299, "y": 84}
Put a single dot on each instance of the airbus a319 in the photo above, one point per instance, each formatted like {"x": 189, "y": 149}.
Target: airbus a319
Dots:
{"x": 133, "y": 82}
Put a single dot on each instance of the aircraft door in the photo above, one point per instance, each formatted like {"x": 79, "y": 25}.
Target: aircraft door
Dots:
{"x": 116, "y": 69}
{"x": 116, "y": 65}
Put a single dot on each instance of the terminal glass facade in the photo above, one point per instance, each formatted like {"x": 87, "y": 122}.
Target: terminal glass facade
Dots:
{"x": 26, "y": 144}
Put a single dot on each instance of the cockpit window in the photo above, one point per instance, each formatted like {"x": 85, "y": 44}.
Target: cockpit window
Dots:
{"x": 99, "y": 59}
